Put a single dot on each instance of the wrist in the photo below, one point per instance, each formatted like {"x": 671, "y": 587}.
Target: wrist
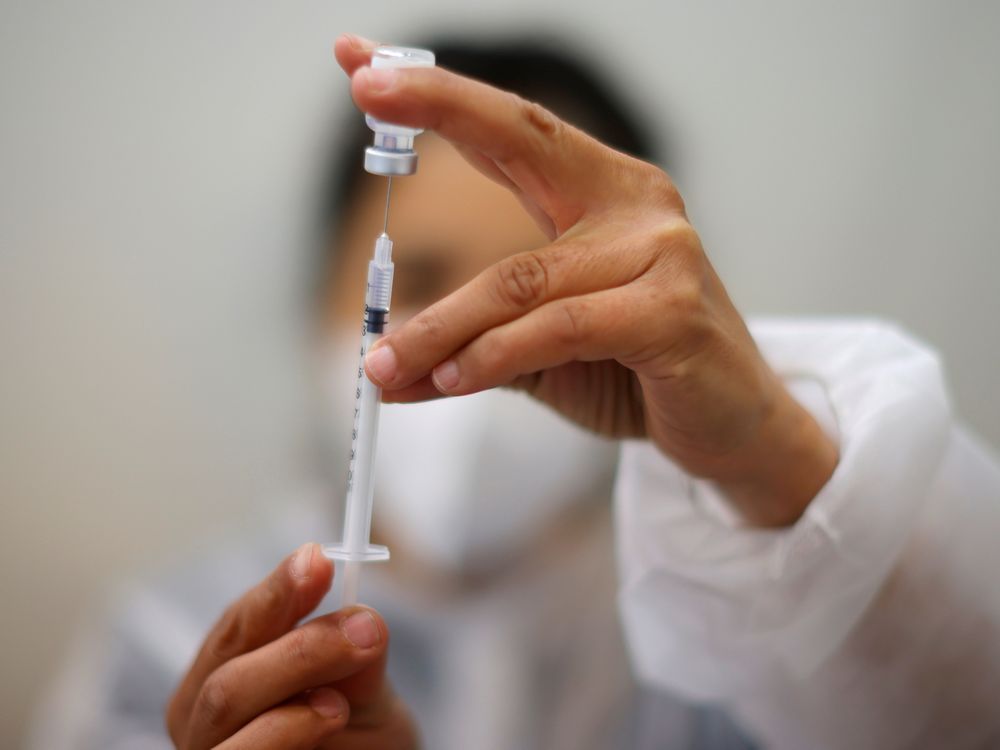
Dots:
{"x": 783, "y": 467}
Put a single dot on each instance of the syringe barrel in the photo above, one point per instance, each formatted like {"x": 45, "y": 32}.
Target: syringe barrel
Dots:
{"x": 360, "y": 490}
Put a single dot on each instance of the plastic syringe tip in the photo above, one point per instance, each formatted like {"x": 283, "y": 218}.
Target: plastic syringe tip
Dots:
{"x": 383, "y": 249}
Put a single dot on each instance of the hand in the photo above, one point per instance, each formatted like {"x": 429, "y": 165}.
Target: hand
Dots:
{"x": 621, "y": 323}
{"x": 262, "y": 682}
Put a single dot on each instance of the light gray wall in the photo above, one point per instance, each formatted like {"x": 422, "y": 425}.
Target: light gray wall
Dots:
{"x": 156, "y": 166}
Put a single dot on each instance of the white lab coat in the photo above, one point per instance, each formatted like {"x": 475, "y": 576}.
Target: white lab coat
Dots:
{"x": 874, "y": 621}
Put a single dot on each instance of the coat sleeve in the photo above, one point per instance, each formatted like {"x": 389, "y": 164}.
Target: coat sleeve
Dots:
{"x": 714, "y": 610}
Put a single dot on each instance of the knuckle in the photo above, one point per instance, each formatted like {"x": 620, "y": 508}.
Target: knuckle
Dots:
{"x": 494, "y": 354}
{"x": 271, "y": 598}
{"x": 571, "y": 329}
{"x": 685, "y": 300}
{"x": 682, "y": 300}
{"x": 662, "y": 188}
{"x": 683, "y": 235}
{"x": 539, "y": 119}
{"x": 679, "y": 241}
{"x": 230, "y": 634}
{"x": 485, "y": 358}
{"x": 215, "y": 701}
{"x": 239, "y": 627}
{"x": 298, "y": 649}
{"x": 522, "y": 281}
{"x": 444, "y": 88}
{"x": 680, "y": 280}
{"x": 655, "y": 186}
{"x": 428, "y": 324}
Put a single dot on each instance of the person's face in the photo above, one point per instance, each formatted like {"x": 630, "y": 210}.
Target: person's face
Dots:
{"x": 447, "y": 222}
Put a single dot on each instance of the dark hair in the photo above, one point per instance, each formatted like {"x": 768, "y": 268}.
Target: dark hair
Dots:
{"x": 540, "y": 70}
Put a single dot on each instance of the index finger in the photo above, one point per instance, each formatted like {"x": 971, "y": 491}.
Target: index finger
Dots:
{"x": 267, "y": 611}
{"x": 545, "y": 158}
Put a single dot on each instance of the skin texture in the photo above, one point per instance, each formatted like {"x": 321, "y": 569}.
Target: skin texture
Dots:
{"x": 575, "y": 276}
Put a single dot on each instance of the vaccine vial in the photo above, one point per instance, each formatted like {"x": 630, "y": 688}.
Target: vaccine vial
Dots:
{"x": 392, "y": 150}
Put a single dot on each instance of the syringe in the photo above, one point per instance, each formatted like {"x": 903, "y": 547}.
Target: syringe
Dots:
{"x": 355, "y": 547}
{"x": 391, "y": 154}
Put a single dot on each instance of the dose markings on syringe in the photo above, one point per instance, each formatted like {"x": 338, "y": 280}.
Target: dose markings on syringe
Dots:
{"x": 357, "y": 409}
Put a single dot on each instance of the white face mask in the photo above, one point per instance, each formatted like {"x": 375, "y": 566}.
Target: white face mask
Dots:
{"x": 466, "y": 481}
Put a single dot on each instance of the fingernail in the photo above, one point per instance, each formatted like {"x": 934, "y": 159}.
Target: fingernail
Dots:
{"x": 302, "y": 561}
{"x": 445, "y": 376}
{"x": 377, "y": 80}
{"x": 361, "y": 629}
{"x": 327, "y": 702}
{"x": 381, "y": 363}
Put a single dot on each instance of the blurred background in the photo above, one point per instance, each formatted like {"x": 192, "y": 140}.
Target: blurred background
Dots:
{"x": 159, "y": 163}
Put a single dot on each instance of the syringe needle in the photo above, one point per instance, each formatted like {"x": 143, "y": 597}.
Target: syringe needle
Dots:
{"x": 388, "y": 192}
